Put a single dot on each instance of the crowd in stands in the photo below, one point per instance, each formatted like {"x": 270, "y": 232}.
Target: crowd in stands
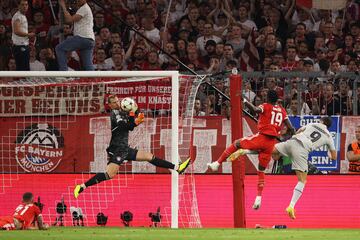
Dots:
{"x": 211, "y": 36}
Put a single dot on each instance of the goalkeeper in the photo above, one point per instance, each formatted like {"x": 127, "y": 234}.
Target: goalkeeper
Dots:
{"x": 118, "y": 151}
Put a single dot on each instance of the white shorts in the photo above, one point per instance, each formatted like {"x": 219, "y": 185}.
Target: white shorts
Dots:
{"x": 294, "y": 149}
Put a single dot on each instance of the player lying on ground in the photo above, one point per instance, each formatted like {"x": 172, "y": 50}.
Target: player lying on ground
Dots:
{"x": 25, "y": 214}
{"x": 118, "y": 151}
{"x": 271, "y": 120}
{"x": 307, "y": 139}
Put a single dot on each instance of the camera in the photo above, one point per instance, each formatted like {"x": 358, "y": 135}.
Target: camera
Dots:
{"x": 77, "y": 216}
{"x": 155, "y": 218}
{"x": 101, "y": 219}
{"x": 60, "y": 210}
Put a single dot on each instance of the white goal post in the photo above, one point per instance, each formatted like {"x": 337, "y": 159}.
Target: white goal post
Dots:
{"x": 174, "y": 75}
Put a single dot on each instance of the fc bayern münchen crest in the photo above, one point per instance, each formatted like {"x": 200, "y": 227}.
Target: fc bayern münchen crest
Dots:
{"x": 39, "y": 148}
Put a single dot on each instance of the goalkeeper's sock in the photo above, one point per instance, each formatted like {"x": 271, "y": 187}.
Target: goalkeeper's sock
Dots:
{"x": 261, "y": 182}
{"x": 229, "y": 150}
{"x": 98, "y": 178}
{"x": 162, "y": 163}
{"x": 298, "y": 190}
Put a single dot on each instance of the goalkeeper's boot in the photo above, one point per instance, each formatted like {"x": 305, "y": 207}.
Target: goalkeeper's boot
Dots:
{"x": 236, "y": 155}
{"x": 291, "y": 212}
{"x": 257, "y": 203}
{"x": 214, "y": 166}
{"x": 77, "y": 190}
{"x": 183, "y": 166}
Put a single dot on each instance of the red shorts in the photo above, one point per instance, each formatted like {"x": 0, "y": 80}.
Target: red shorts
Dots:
{"x": 7, "y": 223}
{"x": 263, "y": 144}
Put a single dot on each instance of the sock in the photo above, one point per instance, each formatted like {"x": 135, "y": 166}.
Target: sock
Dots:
{"x": 98, "y": 178}
{"x": 297, "y": 193}
{"x": 162, "y": 163}
{"x": 229, "y": 150}
{"x": 261, "y": 183}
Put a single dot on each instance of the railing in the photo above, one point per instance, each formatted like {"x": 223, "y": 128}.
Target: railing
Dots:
{"x": 301, "y": 93}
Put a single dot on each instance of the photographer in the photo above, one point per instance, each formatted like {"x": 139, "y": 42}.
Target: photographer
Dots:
{"x": 83, "y": 39}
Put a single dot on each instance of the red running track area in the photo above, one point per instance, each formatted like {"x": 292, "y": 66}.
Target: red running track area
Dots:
{"x": 327, "y": 201}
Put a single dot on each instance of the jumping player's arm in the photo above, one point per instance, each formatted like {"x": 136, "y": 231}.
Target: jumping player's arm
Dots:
{"x": 253, "y": 107}
{"x": 291, "y": 129}
{"x": 332, "y": 149}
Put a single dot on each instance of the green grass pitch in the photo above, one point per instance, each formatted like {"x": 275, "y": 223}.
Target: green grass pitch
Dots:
{"x": 112, "y": 233}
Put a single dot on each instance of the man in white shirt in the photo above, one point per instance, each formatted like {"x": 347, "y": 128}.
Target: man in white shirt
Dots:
{"x": 307, "y": 139}
{"x": 83, "y": 39}
{"x": 20, "y": 37}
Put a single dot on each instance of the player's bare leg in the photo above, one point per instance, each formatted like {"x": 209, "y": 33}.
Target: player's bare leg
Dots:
{"x": 111, "y": 171}
{"x": 234, "y": 156}
{"x": 151, "y": 158}
{"x": 299, "y": 188}
{"x": 260, "y": 187}
{"x": 214, "y": 166}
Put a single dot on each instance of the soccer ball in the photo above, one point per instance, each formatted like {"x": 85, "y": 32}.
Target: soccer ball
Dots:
{"x": 127, "y": 104}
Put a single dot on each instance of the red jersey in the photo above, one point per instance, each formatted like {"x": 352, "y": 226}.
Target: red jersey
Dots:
{"x": 7, "y": 223}
{"x": 271, "y": 119}
{"x": 26, "y": 214}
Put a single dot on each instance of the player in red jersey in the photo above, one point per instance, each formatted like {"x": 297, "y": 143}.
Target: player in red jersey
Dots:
{"x": 271, "y": 120}
{"x": 24, "y": 216}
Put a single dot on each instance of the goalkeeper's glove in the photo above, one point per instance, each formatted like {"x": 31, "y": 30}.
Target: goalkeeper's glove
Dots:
{"x": 140, "y": 118}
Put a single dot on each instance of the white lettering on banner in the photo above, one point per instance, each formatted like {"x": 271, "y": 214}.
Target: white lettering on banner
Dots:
{"x": 226, "y": 130}
{"x": 203, "y": 141}
{"x": 120, "y": 90}
{"x": 100, "y": 128}
{"x": 159, "y": 89}
{"x": 159, "y": 100}
{"x": 320, "y": 160}
{"x": 140, "y": 138}
{"x": 199, "y": 122}
{"x": 51, "y": 100}
{"x": 306, "y": 121}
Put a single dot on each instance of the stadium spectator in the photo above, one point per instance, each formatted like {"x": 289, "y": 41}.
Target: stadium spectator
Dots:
{"x": 353, "y": 153}
{"x": 35, "y": 65}
{"x": 207, "y": 35}
{"x": 329, "y": 104}
{"x": 83, "y": 39}
{"x": 100, "y": 57}
{"x": 198, "y": 108}
{"x": 24, "y": 216}
{"x": 20, "y": 37}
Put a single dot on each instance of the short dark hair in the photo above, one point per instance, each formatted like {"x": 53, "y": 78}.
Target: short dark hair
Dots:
{"x": 27, "y": 197}
{"x": 327, "y": 121}
{"x": 272, "y": 96}
{"x": 110, "y": 97}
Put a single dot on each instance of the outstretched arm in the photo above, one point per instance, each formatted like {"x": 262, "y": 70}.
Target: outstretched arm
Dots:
{"x": 252, "y": 106}
{"x": 291, "y": 129}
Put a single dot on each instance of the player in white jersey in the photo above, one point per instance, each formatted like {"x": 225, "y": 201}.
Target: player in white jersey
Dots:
{"x": 307, "y": 139}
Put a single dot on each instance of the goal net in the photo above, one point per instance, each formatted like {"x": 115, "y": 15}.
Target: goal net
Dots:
{"x": 59, "y": 124}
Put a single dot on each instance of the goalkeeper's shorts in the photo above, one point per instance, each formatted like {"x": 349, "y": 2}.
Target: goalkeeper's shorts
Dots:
{"x": 118, "y": 155}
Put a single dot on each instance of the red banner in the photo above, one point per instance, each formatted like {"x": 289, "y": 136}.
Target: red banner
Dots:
{"x": 78, "y": 143}
{"x": 155, "y": 94}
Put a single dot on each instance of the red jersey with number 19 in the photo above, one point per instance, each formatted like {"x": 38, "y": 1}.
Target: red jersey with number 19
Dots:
{"x": 271, "y": 119}
{"x": 26, "y": 214}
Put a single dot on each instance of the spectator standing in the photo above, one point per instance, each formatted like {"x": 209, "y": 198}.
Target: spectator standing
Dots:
{"x": 20, "y": 37}
{"x": 83, "y": 39}
{"x": 353, "y": 153}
